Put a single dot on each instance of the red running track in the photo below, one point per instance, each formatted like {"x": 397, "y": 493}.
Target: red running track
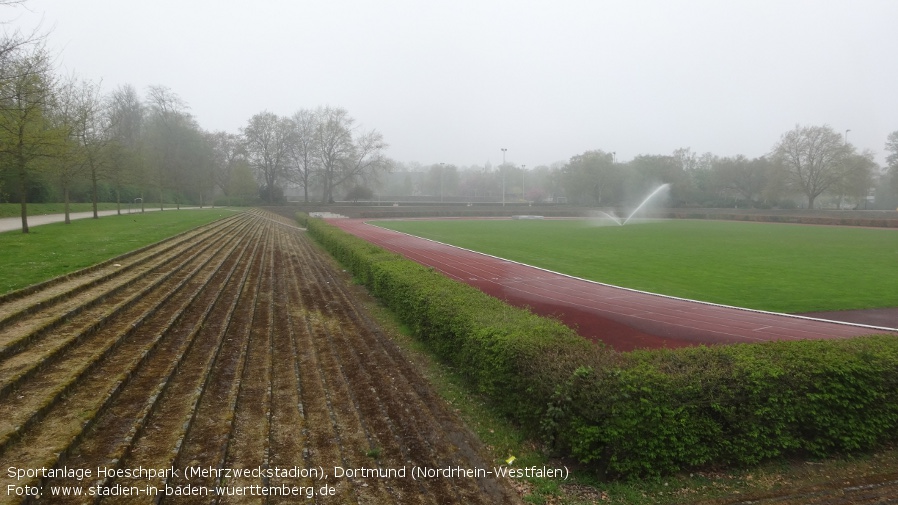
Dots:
{"x": 622, "y": 318}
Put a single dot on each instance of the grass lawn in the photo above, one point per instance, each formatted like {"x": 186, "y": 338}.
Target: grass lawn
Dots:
{"x": 54, "y": 249}
{"x": 777, "y": 267}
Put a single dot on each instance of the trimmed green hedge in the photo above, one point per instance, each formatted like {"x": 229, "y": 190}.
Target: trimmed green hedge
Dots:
{"x": 645, "y": 412}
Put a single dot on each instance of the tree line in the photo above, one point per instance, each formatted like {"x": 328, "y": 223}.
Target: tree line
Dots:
{"x": 63, "y": 139}
{"x": 807, "y": 164}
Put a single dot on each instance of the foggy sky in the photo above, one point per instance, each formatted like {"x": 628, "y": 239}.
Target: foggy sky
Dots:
{"x": 455, "y": 81}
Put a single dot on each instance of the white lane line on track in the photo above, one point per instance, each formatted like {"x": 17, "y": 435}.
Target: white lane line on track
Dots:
{"x": 755, "y": 311}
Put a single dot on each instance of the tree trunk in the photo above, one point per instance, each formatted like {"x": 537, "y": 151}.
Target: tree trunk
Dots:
{"x": 65, "y": 192}
{"x": 24, "y": 211}
{"x": 24, "y": 192}
{"x": 93, "y": 191}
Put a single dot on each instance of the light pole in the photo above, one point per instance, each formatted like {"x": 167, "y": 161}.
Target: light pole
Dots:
{"x": 523, "y": 172}
{"x": 846, "y": 137}
{"x": 441, "y": 182}
{"x": 503, "y": 175}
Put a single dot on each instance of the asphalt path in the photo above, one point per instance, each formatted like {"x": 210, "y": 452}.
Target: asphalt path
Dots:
{"x": 15, "y": 223}
{"x": 624, "y": 318}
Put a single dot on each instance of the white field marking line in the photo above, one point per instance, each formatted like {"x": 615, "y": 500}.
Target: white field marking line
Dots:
{"x": 681, "y": 312}
{"x": 670, "y": 297}
{"x": 653, "y": 320}
{"x": 442, "y": 266}
{"x": 718, "y": 327}
{"x": 658, "y": 314}
{"x": 714, "y": 325}
{"x": 436, "y": 262}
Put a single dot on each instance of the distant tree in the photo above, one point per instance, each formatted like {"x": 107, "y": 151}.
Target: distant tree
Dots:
{"x": 228, "y": 152}
{"x": 860, "y": 177}
{"x": 698, "y": 184}
{"x": 592, "y": 178}
{"x": 304, "y": 160}
{"x": 198, "y": 165}
{"x": 442, "y": 180}
{"x": 167, "y": 120}
{"x": 647, "y": 171}
{"x": 476, "y": 182}
{"x": 359, "y": 193}
{"x": 813, "y": 159}
{"x": 126, "y": 119}
{"x": 343, "y": 157}
{"x": 69, "y": 161}
{"x": 744, "y": 177}
{"x": 92, "y": 130}
{"x": 242, "y": 183}
{"x": 268, "y": 137}
{"x": 892, "y": 160}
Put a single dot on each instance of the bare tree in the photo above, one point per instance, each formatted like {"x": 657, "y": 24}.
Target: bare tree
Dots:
{"x": 69, "y": 161}
{"x": 344, "y": 159}
{"x": 892, "y": 159}
{"x": 858, "y": 180}
{"x": 303, "y": 155}
{"x": 333, "y": 138}
{"x": 268, "y": 137}
{"x": 92, "y": 132}
{"x": 126, "y": 117}
{"x": 228, "y": 150}
{"x": 747, "y": 178}
{"x": 813, "y": 157}
{"x": 167, "y": 119}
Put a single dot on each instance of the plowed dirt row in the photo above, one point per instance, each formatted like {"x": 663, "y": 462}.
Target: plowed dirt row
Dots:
{"x": 233, "y": 347}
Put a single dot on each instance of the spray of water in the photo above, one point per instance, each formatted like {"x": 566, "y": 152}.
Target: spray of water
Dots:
{"x": 644, "y": 202}
{"x": 611, "y": 217}
{"x": 607, "y": 218}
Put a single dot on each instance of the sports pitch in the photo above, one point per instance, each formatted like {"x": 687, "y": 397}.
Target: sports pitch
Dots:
{"x": 776, "y": 267}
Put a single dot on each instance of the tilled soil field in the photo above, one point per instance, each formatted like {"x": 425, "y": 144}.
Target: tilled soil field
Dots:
{"x": 228, "y": 364}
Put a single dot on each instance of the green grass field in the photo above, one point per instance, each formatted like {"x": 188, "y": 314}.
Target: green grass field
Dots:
{"x": 54, "y": 249}
{"x": 777, "y": 267}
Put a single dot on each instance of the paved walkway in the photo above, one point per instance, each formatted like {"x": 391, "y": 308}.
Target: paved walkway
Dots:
{"x": 15, "y": 223}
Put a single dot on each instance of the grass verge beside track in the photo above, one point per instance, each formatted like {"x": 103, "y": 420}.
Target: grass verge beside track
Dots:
{"x": 775, "y": 267}
{"x": 51, "y": 250}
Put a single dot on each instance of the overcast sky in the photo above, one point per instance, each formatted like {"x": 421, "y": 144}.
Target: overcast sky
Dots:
{"x": 455, "y": 81}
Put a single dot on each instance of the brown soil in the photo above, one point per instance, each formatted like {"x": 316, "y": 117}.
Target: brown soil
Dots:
{"x": 235, "y": 346}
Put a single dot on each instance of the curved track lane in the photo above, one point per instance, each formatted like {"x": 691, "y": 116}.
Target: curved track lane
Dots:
{"x": 622, "y": 318}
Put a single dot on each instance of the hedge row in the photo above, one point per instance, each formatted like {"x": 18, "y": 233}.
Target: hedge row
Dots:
{"x": 645, "y": 412}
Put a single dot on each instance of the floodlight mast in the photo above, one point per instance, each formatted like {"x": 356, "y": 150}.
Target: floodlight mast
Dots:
{"x": 502, "y": 168}
{"x": 441, "y": 181}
